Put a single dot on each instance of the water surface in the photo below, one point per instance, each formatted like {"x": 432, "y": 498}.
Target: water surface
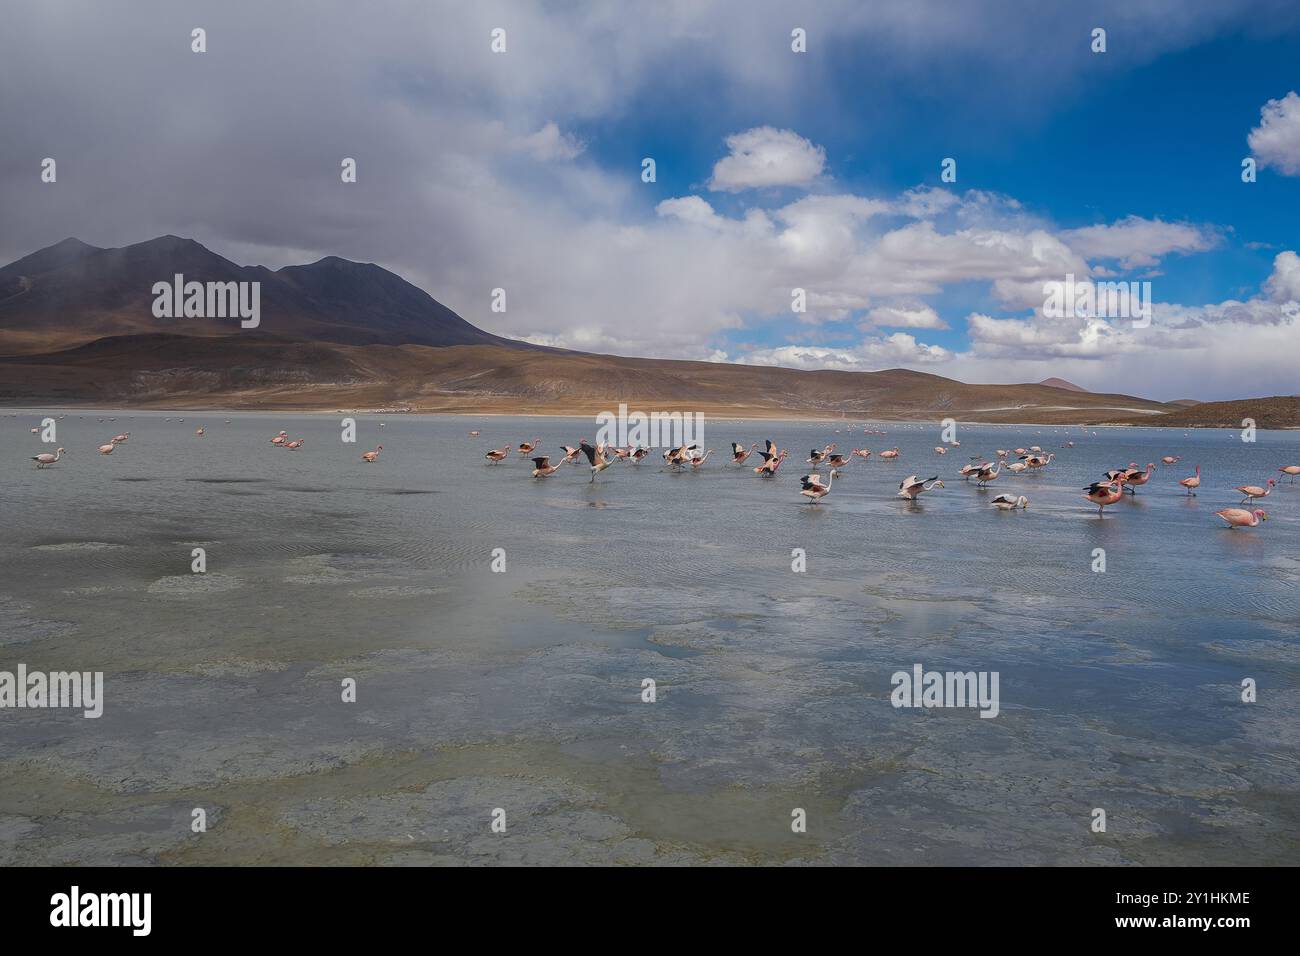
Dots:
{"x": 522, "y": 690}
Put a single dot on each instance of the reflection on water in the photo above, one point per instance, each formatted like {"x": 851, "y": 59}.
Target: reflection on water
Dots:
{"x": 522, "y": 689}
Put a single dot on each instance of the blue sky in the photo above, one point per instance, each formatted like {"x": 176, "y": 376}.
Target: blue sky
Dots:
{"x": 1158, "y": 138}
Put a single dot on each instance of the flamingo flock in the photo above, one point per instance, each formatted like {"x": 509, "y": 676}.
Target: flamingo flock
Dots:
{"x": 1116, "y": 483}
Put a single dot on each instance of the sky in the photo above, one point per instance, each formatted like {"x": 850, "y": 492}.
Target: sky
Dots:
{"x": 775, "y": 170}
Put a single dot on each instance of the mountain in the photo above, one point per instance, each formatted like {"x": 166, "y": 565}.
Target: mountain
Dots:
{"x": 77, "y": 327}
{"x": 1061, "y": 383}
{"x": 72, "y": 293}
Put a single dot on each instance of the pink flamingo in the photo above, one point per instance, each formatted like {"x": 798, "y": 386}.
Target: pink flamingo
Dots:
{"x": 280, "y": 438}
{"x": 813, "y": 489}
{"x": 1241, "y": 518}
{"x": 1102, "y": 493}
{"x": 889, "y": 455}
{"x": 1291, "y": 470}
{"x": 544, "y": 467}
{"x": 1254, "y": 491}
{"x": 46, "y": 459}
{"x": 1192, "y": 483}
{"x": 294, "y": 444}
{"x": 372, "y": 455}
{"x": 118, "y": 439}
{"x": 739, "y": 452}
{"x": 527, "y": 447}
{"x": 1134, "y": 478}
{"x": 497, "y": 454}
{"x": 107, "y": 449}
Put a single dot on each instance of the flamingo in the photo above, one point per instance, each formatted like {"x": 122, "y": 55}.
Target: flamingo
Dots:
{"x": 813, "y": 489}
{"x": 46, "y": 459}
{"x": 1192, "y": 483}
{"x": 570, "y": 455}
{"x": 1003, "y": 452}
{"x": 1255, "y": 491}
{"x": 199, "y": 432}
{"x": 977, "y": 465}
{"x": 1134, "y": 478}
{"x": 639, "y": 453}
{"x": 1008, "y": 503}
{"x": 294, "y": 445}
{"x": 372, "y": 455}
{"x": 739, "y": 452}
{"x": 772, "y": 459}
{"x": 1103, "y": 493}
{"x": 1291, "y": 470}
{"x": 697, "y": 459}
{"x": 987, "y": 474}
{"x": 862, "y": 453}
{"x": 913, "y": 486}
{"x": 940, "y": 450}
{"x": 525, "y": 447}
{"x": 36, "y": 431}
{"x": 1172, "y": 459}
{"x": 497, "y": 454}
{"x": 1039, "y": 461}
{"x": 1240, "y": 518}
{"x": 118, "y": 439}
{"x": 676, "y": 457}
{"x": 816, "y": 457}
{"x": 1016, "y": 467}
{"x": 280, "y": 439}
{"x": 107, "y": 449}
{"x": 889, "y": 455}
{"x": 838, "y": 461}
{"x": 597, "y": 458}
{"x": 473, "y": 434}
{"x": 544, "y": 467}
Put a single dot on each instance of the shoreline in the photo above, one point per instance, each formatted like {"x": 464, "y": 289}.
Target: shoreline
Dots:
{"x": 14, "y": 410}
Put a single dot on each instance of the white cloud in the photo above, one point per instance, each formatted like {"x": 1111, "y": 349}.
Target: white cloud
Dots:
{"x": 1139, "y": 242}
{"x": 763, "y": 157}
{"x": 873, "y": 353}
{"x": 1276, "y": 140}
{"x": 690, "y": 209}
{"x": 1284, "y": 283}
{"x": 548, "y": 143}
{"x": 906, "y": 315}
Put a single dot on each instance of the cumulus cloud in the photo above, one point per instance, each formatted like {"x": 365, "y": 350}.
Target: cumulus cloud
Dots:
{"x": 1275, "y": 141}
{"x": 872, "y": 353}
{"x": 763, "y": 157}
{"x": 1138, "y": 242}
{"x": 549, "y": 143}
{"x": 1283, "y": 285}
{"x": 904, "y": 315}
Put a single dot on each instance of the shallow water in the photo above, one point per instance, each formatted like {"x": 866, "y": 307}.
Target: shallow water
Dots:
{"x": 522, "y": 690}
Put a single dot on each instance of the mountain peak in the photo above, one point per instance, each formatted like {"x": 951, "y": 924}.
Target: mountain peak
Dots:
{"x": 62, "y": 253}
{"x": 73, "y": 293}
{"x": 1062, "y": 383}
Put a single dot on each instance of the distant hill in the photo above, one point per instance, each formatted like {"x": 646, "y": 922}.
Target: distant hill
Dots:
{"x": 1185, "y": 402}
{"x": 1061, "y": 383}
{"x": 71, "y": 293}
{"x": 255, "y": 370}
{"x": 1277, "y": 411}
